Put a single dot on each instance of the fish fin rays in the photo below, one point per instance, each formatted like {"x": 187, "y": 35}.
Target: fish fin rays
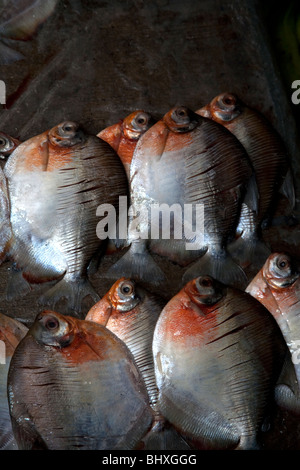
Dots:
{"x": 287, "y": 399}
{"x": 249, "y": 251}
{"x": 139, "y": 266}
{"x": 73, "y": 291}
{"x": 251, "y": 198}
{"x": 17, "y": 286}
{"x": 164, "y": 436}
{"x": 219, "y": 266}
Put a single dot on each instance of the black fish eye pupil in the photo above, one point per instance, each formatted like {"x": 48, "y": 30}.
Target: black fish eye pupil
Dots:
{"x": 141, "y": 120}
{"x": 51, "y": 324}
{"x": 67, "y": 128}
{"x": 282, "y": 264}
{"x": 206, "y": 282}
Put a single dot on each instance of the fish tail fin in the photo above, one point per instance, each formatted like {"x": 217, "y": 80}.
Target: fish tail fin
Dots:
{"x": 136, "y": 265}
{"x": 17, "y": 286}
{"x": 249, "y": 251}
{"x": 220, "y": 266}
{"x": 73, "y": 291}
{"x": 288, "y": 188}
{"x": 164, "y": 437}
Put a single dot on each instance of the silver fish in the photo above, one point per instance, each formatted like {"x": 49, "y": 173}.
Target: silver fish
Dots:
{"x": 73, "y": 385}
{"x": 11, "y": 333}
{"x": 181, "y": 161}
{"x": 217, "y": 353}
{"x": 56, "y": 181}
{"x": 269, "y": 157}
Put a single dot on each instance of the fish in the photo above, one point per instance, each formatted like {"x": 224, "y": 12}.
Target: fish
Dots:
{"x": 130, "y": 312}
{"x": 277, "y": 287}
{"x": 269, "y": 157}
{"x": 5, "y": 225}
{"x": 11, "y": 333}
{"x": 56, "y": 182}
{"x": 73, "y": 385}
{"x": 217, "y": 354}
{"x": 178, "y": 167}
{"x": 124, "y": 135}
{"x": 7, "y": 145}
{"x": 19, "y": 21}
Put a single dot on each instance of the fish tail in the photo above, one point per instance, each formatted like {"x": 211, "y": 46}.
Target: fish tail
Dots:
{"x": 136, "y": 265}
{"x": 249, "y": 251}
{"x": 220, "y": 266}
{"x": 73, "y": 291}
{"x": 164, "y": 437}
{"x": 17, "y": 286}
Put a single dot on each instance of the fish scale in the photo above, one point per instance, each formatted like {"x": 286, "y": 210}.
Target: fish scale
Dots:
{"x": 270, "y": 161}
{"x": 81, "y": 363}
{"x": 228, "y": 344}
{"x": 176, "y": 163}
{"x": 54, "y": 227}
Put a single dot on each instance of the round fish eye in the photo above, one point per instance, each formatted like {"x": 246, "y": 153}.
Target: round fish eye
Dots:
{"x": 141, "y": 119}
{"x": 68, "y": 129}
{"x": 229, "y": 100}
{"x": 180, "y": 115}
{"x": 283, "y": 263}
{"x": 127, "y": 288}
{"x": 51, "y": 323}
{"x": 205, "y": 282}
{"x": 2, "y": 142}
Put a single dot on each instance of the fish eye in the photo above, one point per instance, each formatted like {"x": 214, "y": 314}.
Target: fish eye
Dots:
{"x": 283, "y": 263}
{"x": 127, "y": 288}
{"x": 68, "y": 127}
{"x": 229, "y": 100}
{"x": 2, "y": 142}
{"x": 51, "y": 323}
{"x": 205, "y": 282}
{"x": 141, "y": 120}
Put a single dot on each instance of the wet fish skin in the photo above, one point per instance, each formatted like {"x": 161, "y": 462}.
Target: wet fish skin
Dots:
{"x": 11, "y": 333}
{"x": 269, "y": 158}
{"x": 277, "y": 287}
{"x": 217, "y": 357}
{"x": 123, "y": 136}
{"x": 80, "y": 374}
{"x": 177, "y": 161}
{"x": 56, "y": 182}
{"x": 131, "y": 312}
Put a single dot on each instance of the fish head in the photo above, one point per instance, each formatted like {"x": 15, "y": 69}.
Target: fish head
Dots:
{"x": 223, "y": 108}
{"x": 122, "y": 297}
{"x": 7, "y": 145}
{"x": 66, "y": 134}
{"x": 125, "y": 295}
{"x": 280, "y": 271}
{"x": 136, "y": 124}
{"x": 204, "y": 290}
{"x": 278, "y": 274}
{"x": 53, "y": 329}
{"x": 181, "y": 119}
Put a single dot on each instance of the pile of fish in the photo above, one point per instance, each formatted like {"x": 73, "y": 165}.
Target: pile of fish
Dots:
{"x": 202, "y": 369}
